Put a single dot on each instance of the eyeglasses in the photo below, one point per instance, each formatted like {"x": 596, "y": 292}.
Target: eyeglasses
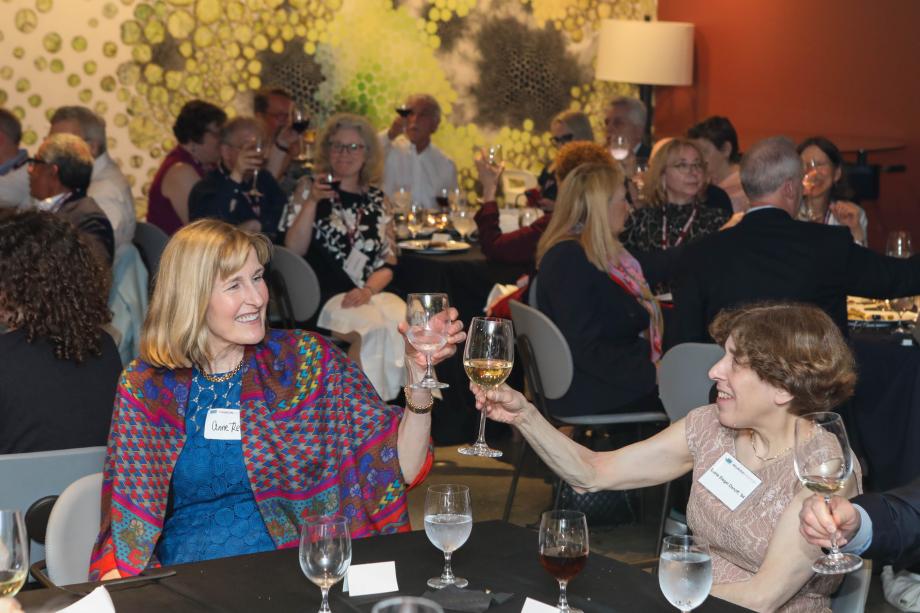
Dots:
{"x": 347, "y": 148}
{"x": 563, "y": 139}
{"x": 686, "y": 168}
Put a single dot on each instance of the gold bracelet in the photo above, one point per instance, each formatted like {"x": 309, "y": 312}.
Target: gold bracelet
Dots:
{"x": 418, "y": 410}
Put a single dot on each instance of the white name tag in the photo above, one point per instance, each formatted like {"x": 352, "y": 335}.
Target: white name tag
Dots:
{"x": 354, "y": 266}
{"x": 222, "y": 425}
{"x": 730, "y": 481}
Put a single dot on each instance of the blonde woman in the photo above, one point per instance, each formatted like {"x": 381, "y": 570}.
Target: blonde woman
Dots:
{"x": 596, "y": 293}
{"x": 225, "y": 433}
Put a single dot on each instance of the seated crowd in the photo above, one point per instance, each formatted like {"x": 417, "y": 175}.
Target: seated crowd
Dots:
{"x": 757, "y": 251}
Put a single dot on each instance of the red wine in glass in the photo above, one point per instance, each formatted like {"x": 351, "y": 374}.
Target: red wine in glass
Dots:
{"x": 563, "y": 564}
{"x": 403, "y": 110}
{"x": 300, "y": 126}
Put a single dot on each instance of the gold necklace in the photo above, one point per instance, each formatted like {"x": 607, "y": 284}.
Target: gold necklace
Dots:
{"x": 227, "y": 376}
{"x": 762, "y": 459}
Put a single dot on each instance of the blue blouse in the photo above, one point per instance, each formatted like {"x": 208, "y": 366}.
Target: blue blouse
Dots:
{"x": 213, "y": 513}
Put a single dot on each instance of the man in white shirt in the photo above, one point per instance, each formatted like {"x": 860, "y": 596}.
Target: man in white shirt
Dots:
{"x": 413, "y": 162}
{"x": 14, "y": 175}
{"x": 108, "y": 185}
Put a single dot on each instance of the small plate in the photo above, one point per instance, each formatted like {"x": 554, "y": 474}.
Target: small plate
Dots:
{"x": 427, "y": 246}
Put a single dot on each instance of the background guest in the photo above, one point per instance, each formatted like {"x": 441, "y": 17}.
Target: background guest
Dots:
{"x": 825, "y": 194}
{"x": 274, "y": 108}
{"x": 717, "y": 139}
{"x": 57, "y": 383}
{"x": 197, "y": 129}
{"x": 107, "y": 185}
{"x": 566, "y": 127}
{"x": 626, "y": 116}
{"x": 228, "y": 192}
{"x": 14, "y": 177}
{"x": 58, "y": 177}
{"x": 411, "y": 160}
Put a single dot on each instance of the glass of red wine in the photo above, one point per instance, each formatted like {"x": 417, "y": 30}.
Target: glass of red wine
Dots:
{"x": 299, "y": 123}
{"x": 403, "y": 110}
{"x": 564, "y": 549}
{"x": 334, "y": 184}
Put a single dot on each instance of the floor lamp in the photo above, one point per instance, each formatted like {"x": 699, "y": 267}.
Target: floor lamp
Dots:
{"x": 646, "y": 53}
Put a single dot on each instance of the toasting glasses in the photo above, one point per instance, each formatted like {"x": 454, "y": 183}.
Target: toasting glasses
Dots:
{"x": 428, "y": 317}
{"x": 325, "y": 552}
{"x": 487, "y": 358}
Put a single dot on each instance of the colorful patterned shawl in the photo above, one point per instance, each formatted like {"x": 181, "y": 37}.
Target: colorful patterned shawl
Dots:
{"x": 317, "y": 439}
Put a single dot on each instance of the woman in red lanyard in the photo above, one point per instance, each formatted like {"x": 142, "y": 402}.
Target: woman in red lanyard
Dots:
{"x": 596, "y": 293}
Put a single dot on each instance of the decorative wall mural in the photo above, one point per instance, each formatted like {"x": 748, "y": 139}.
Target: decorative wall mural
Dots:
{"x": 500, "y": 68}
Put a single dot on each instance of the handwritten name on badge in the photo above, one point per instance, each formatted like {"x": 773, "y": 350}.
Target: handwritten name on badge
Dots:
{"x": 730, "y": 481}
{"x": 222, "y": 425}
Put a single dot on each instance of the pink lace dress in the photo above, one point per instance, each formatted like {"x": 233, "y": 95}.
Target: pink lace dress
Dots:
{"x": 739, "y": 539}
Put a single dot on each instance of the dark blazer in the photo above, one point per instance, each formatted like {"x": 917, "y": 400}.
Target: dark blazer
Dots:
{"x": 220, "y": 197}
{"x": 83, "y": 212}
{"x": 895, "y": 525}
{"x": 770, "y": 256}
{"x": 601, "y": 323}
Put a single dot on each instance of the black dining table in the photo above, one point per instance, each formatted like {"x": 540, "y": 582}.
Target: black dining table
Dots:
{"x": 467, "y": 278}
{"x": 498, "y": 556}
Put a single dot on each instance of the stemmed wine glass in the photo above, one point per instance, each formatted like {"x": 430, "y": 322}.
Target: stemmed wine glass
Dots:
{"x": 564, "y": 549}
{"x": 898, "y": 245}
{"x": 487, "y": 359}
{"x": 900, "y": 305}
{"x": 494, "y": 155}
{"x": 415, "y": 219}
{"x": 407, "y": 604}
{"x": 619, "y": 147}
{"x": 448, "y": 523}
{"x": 325, "y": 552}
{"x": 299, "y": 123}
{"x": 14, "y": 552}
{"x": 429, "y": 323}
{"x": 462, "y": 220}
{"x": 823, "y": 463}
{"x": 685, "y": 571}
{"x": 258, "y": 149}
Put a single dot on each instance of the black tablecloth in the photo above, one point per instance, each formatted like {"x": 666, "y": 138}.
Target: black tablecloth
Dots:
{"x": 498, "y": 556}
{"x": 467, "y": 279}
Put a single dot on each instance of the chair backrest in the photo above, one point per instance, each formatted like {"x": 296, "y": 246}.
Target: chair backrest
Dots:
{"x": 27, "y": 477}
{"x": 551, "y": 354}
{"x": 128, "y": 300}
{"x": 151, "y": 241}
{"x": 72, "y": 530}
{"x": 851, "y": 596}
{"x": 683, "y": 377}
{"x": 515, "y": 182}
{"x": 300, "y": 286}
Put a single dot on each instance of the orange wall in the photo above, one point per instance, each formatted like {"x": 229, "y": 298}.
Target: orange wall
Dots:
{"x": 842, "y": 68}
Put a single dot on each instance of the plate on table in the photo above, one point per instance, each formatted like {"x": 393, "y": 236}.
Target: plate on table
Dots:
{"x": 429, "y": 246}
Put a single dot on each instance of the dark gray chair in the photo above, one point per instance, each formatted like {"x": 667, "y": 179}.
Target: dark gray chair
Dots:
{"x": 295, "y": 288}
{"x": 150, "y": 241}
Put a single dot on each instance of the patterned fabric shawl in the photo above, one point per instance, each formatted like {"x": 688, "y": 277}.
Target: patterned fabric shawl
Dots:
{"x": 316, "y": 437}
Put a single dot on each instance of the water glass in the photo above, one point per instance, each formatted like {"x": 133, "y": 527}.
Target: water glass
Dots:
{"x": 685, "y": 571}
{"x": 462, "y": 220}
{"x": 428, "y": 317}
{"x": 564, "y": 549}
{"x": 898, "y": 245}
{"x": 448, "y": 523}
{"x": 407, "y": 604}
{"x": 325, "y": 552}
{"x": 14, "y": 552}
{"x": 487, "y": 359}
{"x": 619, "y": 147}
{"x": 528, "y": 216}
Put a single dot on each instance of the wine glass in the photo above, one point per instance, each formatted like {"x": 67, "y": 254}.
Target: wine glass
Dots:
{"x": 494, "y": 155}
{"x": 564, "y": 549}
{"x": 443, "y": 199}
{"x": 258, "y": 149}
{"x": 900, "y": 305}
{"x": 14, "y": 552}
{"x": 402, "y": 198}
{"x": 823, "y": 463}
{"x": 448, "y": 523}
{"x": 455, "y": 199}
{"x": 299, "y": 123}
{"x": 685, "y": 571}
{"x": 325, "y": 552}
{"x": 462, "y": 220}
{"x": 403, "y": 110}
{"x": 333, "y": 184}
{"x": 429, "y": 321}
{"x": 528, "y": 216}
{"x": 415, "y": 218}
{"x": 407, "y": 604}
{"x": 619, "y": 147}
{"x": 487, "y": 359}
{"x": 898, "y": 245}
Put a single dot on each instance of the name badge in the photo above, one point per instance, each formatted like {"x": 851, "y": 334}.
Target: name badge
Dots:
{"x": 222, "y": 425}
{"x": 730, "y": 481}
{"x": 354, "y": 266}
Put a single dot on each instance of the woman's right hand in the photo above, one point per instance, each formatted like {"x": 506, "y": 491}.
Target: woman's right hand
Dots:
{"x": 503, "y": 404}
{"x": 314, "y": 191}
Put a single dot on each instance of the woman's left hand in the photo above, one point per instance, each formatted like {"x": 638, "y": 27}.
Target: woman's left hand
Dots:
{"x": 847, "y": 213}
{"x": 357, "y": 297}
{"x": 455, "y": 336}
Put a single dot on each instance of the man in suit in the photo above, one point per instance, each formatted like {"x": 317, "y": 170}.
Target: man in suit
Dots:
{"x": 770, "y": 255}
{"x": 626, "y": 117}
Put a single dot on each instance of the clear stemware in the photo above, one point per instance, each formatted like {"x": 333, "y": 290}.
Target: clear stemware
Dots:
{"x": 619, "y": 147}
{"x": 823, "y": 463}
{"x": 685, "y": 571}
{"x": 429, "y": 323}
{"x": 258, "y": 149}
{"x": 14, "y": 552}
{"x": 325, "y": 552}
{"x": 462, "y": 220}
{"x": 448, "y": 523}
{"x": 564, "y": 549}
{"x": 898, "y": 245}
{"x": 488, "y": 357}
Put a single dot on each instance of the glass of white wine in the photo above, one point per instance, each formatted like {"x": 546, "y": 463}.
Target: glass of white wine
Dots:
{"x": 325, "y": 552}
{"x": 619, "y": 147}
{"x": 448, "y": 523}
{"x": 462, "y": 218}
{"x": 823, "y": 463}
{"x": 487, "y": 358}
{"x": 14, "y": 552}
{"x": 685, "y": 571}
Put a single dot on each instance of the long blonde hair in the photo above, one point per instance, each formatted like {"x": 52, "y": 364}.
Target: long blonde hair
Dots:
{"x": 581, "y": 213}
{"x": 175, "y": 333}
{"x": 655, "y": 191}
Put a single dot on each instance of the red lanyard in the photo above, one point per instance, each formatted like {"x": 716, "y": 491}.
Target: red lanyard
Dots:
{"x": 683, "y": 232}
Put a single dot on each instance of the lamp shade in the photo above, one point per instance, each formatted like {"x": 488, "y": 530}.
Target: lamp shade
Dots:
{"x": 645, "y": 52}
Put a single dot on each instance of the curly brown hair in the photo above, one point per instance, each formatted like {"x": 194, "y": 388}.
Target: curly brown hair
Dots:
{"x": 51, "y": 284}
{"x": 794, "y": 347}
{"x": 573, "y": 155}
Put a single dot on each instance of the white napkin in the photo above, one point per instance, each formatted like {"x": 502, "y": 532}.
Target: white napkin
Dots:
{"x": 97, "y": 601}
{"x": 382, "y": 346}
{"x": 535, "y": 606}
{"x": 376, "y": 578}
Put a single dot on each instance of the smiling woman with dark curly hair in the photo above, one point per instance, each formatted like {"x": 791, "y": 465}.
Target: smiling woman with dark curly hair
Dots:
{"x": 57, "y": 384}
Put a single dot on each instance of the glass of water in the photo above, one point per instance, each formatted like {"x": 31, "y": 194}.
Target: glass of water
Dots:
{"x": 462, "y": 218}
{"x": 325, "y": 552}
{"x": 407, "y": 604}
{"x": 685, "y": 571}
{"x": 448, "y": 523}
{"x": 428, "y": 316}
